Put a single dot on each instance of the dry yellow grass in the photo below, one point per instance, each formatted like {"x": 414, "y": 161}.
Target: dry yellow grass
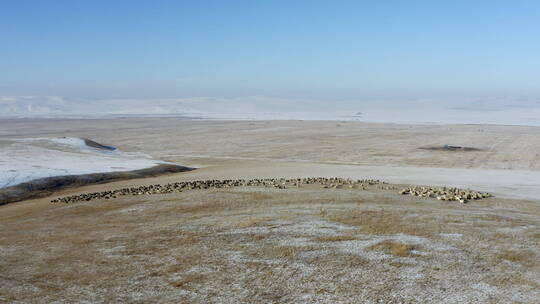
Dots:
{"x": 381, "y": 222}
{"x": 187, "y": 280}
{"x": 394, "y": 248}
{"x": 234, "y": 247}
{"x": 219, "y": 246}
{"x": 271, "y": 251}
{"x": 335, "y": 238}
{"x": 252, "y": 221}
{"x": 525, "y": 258}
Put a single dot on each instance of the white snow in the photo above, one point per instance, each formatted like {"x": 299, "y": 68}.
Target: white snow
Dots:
{"x": 23, "y": 160}
{"x": 505, "y": 111}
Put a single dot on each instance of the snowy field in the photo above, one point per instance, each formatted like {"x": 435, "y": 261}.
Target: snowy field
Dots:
{"x": 501, "y": 111}
{"x": 22, "y": 160}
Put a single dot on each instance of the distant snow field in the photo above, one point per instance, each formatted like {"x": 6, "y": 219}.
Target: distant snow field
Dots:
{"x": 503, "y": 111}
{"x": 22, "y": 160}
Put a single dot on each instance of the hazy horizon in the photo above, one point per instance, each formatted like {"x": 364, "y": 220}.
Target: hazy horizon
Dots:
{"x": 65, "y": 57}
{"x": 504, "y": 111}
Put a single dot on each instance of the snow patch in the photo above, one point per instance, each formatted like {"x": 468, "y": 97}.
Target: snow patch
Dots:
{"x": 23, "y": 160}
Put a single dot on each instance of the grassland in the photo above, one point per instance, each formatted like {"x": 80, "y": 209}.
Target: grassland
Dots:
{"x": 261, "y": 245}
{"x": 296, "y": 245}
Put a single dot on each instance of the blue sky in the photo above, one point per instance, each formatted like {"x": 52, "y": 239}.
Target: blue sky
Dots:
{"x": 301, "y": 49}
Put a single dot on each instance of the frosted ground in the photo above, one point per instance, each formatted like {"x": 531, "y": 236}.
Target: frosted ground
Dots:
{"x": 22, "y": 160}
{"x": 26, "y": 159}
{"x": 267, "y": 245}
{"x": 507, "y": 162}
{"x": 295, "y": 245}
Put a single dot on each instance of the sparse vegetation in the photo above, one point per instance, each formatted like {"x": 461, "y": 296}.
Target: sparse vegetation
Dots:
{"x": 394, "y": 248}
{"x": 252, "y": 221}
{"x": 187, "y": 281}
{"x": 381, "y": 222}
{"x": 279, "y": 252}
{"x": 335, "y": 238}
{"x": 525, "y": 258}
{"x": 272, "y": 245}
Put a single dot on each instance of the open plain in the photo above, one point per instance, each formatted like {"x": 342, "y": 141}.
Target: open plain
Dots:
{"x": 298, "y": 244}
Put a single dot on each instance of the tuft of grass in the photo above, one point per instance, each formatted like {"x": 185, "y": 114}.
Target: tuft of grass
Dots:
{"x": 279, "y": 252}
{"x": 336, "y": 260}
{"x": 335, "y": 238}
{"x": 187, "y": 280}
{"x": 257, "y": 237}
{"x": 259, "y": 196}
{"x": 380, "y": 222}
{"x": 252, "y": 222}
{"x": 521, "y": 257}
{"x": 394, "y": 248}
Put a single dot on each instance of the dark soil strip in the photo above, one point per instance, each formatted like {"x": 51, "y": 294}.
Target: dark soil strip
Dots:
{"x": 451, "y": 148}
{"x": 97, "y": 145}
{"x": 46, "y": 186}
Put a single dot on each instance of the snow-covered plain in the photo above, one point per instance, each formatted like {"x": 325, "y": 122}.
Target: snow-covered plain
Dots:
{"x": 503, "y": 111}
{"x": 26, "y": 159}
{"x": 22, "y": 160}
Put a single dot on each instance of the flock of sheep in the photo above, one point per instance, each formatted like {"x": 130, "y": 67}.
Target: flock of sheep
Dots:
{"x": 445, "y": 194}
{"x": 280, "y": 183}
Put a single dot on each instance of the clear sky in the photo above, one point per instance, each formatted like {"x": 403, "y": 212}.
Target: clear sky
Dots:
{"x": 301, "y": 49}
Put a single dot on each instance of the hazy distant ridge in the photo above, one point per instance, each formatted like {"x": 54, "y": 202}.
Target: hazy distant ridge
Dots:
{"x": 489, "y": 111}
